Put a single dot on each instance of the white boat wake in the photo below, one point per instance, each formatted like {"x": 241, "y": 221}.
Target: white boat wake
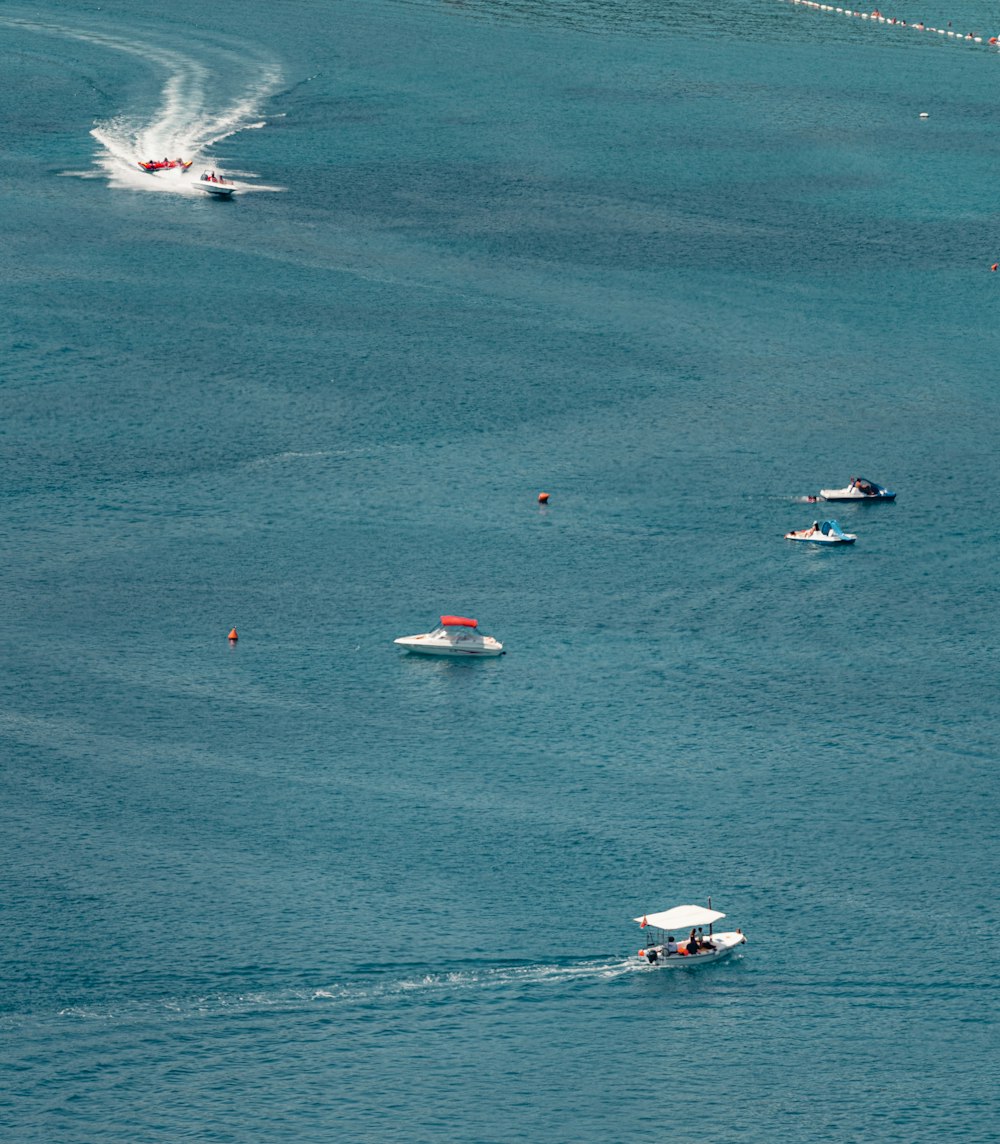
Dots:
{"x": 360, "y": 989}
{"x": 480, "y": 978}
{"x": 196, "y": 107}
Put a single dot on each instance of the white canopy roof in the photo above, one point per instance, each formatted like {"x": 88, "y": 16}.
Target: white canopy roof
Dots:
{"x": 681, "y": 918}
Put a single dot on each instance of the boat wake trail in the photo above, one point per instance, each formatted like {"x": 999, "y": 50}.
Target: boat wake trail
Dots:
{"x": 362, "y": 991}
{"x": 479, "y": 978}
{"x": 209, "y": 92}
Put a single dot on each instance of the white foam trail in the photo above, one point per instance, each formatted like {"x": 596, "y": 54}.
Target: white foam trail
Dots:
{"x": 191, "y": 117}
{"x": 478, "y": 979}
{"x": 377, "y": 988}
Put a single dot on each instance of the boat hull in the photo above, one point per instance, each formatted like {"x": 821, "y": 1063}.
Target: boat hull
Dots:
{"x": 216, "y": 190}
{"x": 421, "y": 646}
{"x": 725, "y": 944}
{"x": 840, "y": 495}
{"x": 823, "y": 540}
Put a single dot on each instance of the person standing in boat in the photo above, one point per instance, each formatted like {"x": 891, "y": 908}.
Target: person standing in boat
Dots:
{"x": 692, "y": 946}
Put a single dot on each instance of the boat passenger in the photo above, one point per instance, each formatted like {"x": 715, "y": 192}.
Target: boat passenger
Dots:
{"x": 671, "y": 946}
{"x": 692, "y": 945}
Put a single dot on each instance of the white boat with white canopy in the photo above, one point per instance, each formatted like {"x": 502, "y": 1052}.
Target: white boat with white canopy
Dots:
{"x": 679, "y": 938}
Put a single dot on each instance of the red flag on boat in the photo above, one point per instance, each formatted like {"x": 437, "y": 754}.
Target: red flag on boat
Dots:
{"x": 643, "y": 923}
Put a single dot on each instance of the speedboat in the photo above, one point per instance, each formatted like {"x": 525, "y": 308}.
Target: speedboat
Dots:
{"x": 155, "y": 165}
{"x": 827, "y": 532}
{"x": 456, "y": 636}
{"x": 217, "y": 186}
{"x": 860, "y": 489}
{"x": 692, "y": 946}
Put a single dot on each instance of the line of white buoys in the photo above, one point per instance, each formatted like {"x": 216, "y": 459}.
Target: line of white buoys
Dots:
{"x": 876, "y": 17}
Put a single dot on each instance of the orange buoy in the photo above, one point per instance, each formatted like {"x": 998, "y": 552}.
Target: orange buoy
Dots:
{"x": 543, "y": 498}
{"x": 995, "y": 266}
{"x": 233, "y": 637}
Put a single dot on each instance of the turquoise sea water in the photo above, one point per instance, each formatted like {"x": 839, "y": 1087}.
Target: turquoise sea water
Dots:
{"x": 677, "y": 267}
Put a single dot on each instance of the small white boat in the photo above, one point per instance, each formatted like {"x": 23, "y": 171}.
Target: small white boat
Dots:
{"x": 860, "y": 489}
{"x": 456, "y": 636}
{"x": 825, "y": 532}
{"x": 679, "y": 940}
{"x": 216, "y": 186}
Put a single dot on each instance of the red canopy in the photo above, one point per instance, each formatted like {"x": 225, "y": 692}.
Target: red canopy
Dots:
{"x": 458, "y": 622}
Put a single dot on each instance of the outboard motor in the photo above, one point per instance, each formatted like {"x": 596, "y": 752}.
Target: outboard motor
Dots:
{"x": 652, "y": 956}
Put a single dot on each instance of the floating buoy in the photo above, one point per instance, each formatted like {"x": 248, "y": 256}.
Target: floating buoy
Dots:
{"x": 924, "y": 115}
{"x": 233, "y": 637}
{"x": 543, "y": 498}
{"x": 995, "y": 266}
{"x": 876, "y": 17}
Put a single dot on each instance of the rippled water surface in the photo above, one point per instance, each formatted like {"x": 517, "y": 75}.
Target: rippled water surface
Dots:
{"x": 678, "y": 268}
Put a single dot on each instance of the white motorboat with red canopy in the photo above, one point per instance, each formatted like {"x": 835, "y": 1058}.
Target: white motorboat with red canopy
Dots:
{"x": 456, "y": 636}
{"x": 860, "y": 489}
{"x": 679, "y": 940}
